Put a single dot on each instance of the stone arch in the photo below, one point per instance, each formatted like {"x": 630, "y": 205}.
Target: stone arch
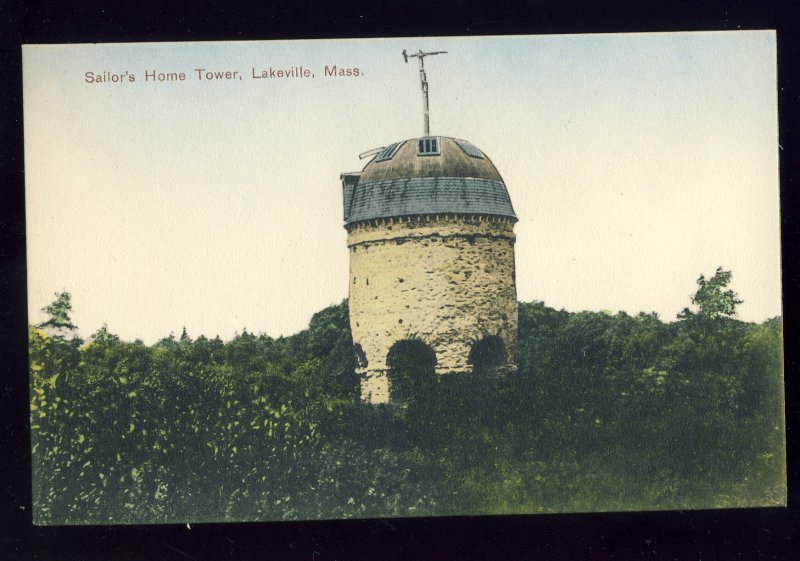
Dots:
{"x": 411, "y": 370}
{"x": 487, "y": 354}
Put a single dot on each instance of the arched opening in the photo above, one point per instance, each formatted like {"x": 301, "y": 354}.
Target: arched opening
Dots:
{"x": 412, "y": 370}
{"x": 361, "y": 357}
{"x": 486, "y": 355}
{"x": 482, "y": 389}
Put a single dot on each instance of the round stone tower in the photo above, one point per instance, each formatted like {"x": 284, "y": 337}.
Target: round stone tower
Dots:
{"x": 431, "y": 236}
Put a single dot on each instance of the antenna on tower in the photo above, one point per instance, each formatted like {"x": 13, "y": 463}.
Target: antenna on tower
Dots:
{"x": 424, "y": 79}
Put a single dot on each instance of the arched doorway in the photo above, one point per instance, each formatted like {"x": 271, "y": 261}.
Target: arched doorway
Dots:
{"x": 412, "y": 370}
{"x": 486, "y": 355}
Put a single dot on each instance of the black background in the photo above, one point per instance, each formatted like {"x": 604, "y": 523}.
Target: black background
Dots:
{"x": 747, "y": 534}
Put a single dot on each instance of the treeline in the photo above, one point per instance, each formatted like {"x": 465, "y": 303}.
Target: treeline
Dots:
{"x": 605, "y": 412}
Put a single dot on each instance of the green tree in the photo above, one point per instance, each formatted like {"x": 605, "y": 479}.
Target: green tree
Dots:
{"x": 713, "y": 298}
{"x": 104, "y": 337}
{"x": 185, "y": 336}
{"x": 59, "y": 322}
{"x": 60, "y": 342}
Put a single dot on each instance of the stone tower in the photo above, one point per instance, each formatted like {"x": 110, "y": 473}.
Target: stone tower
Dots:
{"x": 431, "y": 237}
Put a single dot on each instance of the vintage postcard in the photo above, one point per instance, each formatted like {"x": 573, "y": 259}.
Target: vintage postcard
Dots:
{"x": 303, "y": 280}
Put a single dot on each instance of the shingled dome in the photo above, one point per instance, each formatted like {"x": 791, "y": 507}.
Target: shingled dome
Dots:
{"x": 428, "y": 175}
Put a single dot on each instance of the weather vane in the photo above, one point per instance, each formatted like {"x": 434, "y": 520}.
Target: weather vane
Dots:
{"x": 421, "y": 56}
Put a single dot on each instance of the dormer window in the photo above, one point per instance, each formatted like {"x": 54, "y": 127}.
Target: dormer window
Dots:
{"x": 428, "y": 146}
{"x": 469, "y": 149}
{"x": 389, "y": 152}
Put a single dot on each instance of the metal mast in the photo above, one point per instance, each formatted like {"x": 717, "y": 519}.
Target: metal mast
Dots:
{"x": 424, "y": 79}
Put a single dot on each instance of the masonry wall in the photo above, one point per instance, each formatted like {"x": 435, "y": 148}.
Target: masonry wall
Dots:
{"x": 446, "y": 280}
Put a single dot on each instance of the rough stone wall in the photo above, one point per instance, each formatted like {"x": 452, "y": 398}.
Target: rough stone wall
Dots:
{"x": 446, "y": 280}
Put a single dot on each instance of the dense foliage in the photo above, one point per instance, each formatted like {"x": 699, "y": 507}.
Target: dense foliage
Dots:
{"x": 606, "y": 412}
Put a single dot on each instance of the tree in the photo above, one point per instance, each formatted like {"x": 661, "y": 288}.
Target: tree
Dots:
{"x": 712, "y": 298}
{"x": 59, "y": 311}
{"x": 104, "y": 336}
{"x": 185, "y": 336}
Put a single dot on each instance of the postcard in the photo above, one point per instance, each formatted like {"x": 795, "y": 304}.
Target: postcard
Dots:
{"x": 302, "y": 280}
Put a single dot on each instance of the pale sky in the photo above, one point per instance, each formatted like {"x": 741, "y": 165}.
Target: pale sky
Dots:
{"x": 634, "y": 162}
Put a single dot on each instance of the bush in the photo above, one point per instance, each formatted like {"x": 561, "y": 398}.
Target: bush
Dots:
{"x": 606, "y": 412}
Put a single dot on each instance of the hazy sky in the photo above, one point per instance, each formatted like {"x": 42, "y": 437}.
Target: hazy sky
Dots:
{"x": 634, "y": 163}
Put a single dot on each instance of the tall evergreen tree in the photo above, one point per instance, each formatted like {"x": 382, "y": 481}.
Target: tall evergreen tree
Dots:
{"x": 59, "y": 323}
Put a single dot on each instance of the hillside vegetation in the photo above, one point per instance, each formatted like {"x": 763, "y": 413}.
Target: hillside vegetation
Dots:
{"x": 605, "y": 412}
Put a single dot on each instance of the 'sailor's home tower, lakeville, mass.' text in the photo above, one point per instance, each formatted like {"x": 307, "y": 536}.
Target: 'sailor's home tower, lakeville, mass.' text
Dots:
{"x": 431, "y": 237}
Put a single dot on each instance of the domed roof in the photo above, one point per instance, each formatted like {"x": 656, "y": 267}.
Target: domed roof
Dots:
{"x": 428, "y": 175}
